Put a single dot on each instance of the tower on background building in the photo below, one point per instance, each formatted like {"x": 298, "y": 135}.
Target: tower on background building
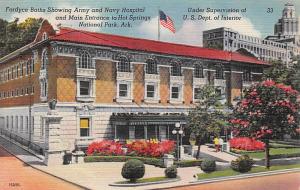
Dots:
{"x": 283, "y": 45}
{"x": 288, "y": 24}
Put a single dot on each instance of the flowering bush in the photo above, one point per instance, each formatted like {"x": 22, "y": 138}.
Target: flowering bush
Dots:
{"x": 105, "y": 148}
{"x": 245, "y": 143}
{"x": 150, "y": 148}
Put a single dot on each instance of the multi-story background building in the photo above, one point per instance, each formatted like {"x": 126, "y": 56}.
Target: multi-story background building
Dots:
{"x": 283, "y": 45}
{"x": 110, "y": 86}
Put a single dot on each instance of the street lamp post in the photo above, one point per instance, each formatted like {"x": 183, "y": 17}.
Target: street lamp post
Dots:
{"x": 177, "y": 131}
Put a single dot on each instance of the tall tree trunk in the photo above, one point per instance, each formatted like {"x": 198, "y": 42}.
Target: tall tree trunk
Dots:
{"x": 198, "y": 150}
{"x": 267, "y": 156}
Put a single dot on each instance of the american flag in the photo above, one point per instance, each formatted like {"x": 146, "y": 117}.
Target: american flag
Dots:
{"x": 166, "y": 21}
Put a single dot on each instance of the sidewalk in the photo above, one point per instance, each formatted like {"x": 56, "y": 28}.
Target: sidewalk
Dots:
{"x": 97, "y": 175}
{"x": 219, "y": 156}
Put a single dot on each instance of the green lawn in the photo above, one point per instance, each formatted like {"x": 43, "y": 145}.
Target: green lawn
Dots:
{"x": 273, "y": 151}
{"x": 146, "y": 180}
{"x": 230, "y": 172}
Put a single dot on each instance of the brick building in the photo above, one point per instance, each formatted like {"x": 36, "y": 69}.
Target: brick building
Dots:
{"x": 109, "y": 86}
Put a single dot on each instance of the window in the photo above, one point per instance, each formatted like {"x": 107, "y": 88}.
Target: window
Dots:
{"x": 44, "y": 59}
{"x": 17, "y": 123}
{"x": 219, "y": 73}
{"x": 176, "y": 69}
{"x": 12, "y": 73}
{"x": 124, "y": 64}
{"x": 21, "y": 124}
{"x": 27, "y": 67}
{"x": 122, "y": 132}
{"x": 84, "y": 127}
{"x": 27, "y": 123}
{"x": 44, "y": 88}
{"x": 45, "y": 36}
{"x": 175, "y": 92}
{"x": 17, "y": 70}
{"x": 198, "y": 71}
{"x": 123, "y": 90}
{"x": 197, "y": 93}
{"x": 247, "y": 75}
{"x": 84, "y": 88}
{"x": 85, "y": 61}
{"x": 151, "y": 67}
{"x": 150, "y": 91}
{"x": 21, "y": 69}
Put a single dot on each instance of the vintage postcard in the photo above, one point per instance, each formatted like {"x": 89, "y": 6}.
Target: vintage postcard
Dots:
{"x": 139, "y": 94}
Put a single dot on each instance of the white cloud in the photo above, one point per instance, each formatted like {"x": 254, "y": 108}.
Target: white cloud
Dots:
{"x": 191, "y": 31}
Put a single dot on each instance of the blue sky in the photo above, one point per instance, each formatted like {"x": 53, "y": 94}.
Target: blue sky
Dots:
{"x": 256, "y": 21}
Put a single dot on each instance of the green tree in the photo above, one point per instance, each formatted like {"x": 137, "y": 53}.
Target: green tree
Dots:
{"x": 14, "y": 35}
{"x": 205, "y": 119}
{"x": 267, "y": 111}
{"x": 277, "y": 72}
{"x": 293, "y": 77}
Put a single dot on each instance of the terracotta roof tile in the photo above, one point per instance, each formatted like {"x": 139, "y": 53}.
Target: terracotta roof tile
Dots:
{"x": 86, "y": 37}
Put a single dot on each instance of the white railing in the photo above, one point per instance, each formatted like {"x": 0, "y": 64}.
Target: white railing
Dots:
{"x": 83, "y": 141}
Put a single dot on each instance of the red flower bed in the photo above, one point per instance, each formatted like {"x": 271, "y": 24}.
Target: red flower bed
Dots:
{"x": 150, "y": 148}
{"x": 105, "y": 148}
{"x": 245, "y": 143}
{"x": 138, "y": 148}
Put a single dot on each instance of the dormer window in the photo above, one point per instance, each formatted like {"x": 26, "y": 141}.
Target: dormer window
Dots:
{"x": 85, "y": 61}
{"x": 151, "y": 67}
{"x": 176, "y": 69}
{"x": 44, "y": 59}
{"x": 44, "y": 36}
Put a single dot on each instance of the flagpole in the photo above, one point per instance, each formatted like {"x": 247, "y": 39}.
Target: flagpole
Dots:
{"x": 158, "y": 27}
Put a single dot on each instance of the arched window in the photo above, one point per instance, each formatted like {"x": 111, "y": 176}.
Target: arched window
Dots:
{"x": 124, "y": 64}
{"x": 176, "y": 69}
{"x": 198, "y": 72}
{"x": 44, "y": 36}
{"x": 219, "y": 72}
{"x": 44, "y": 59}
{"x": 85, "y": 60}
{"x": 151, "y": 67}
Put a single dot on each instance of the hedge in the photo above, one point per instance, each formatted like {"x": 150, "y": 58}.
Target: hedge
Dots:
{"x": 187, "y": 163}
{"x": 277, "y": 156}
{"x": 151, "y": 161}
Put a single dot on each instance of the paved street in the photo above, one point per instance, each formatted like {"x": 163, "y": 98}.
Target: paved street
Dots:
{"x": 16, "y": 175}
{"x": 290, "y": 181}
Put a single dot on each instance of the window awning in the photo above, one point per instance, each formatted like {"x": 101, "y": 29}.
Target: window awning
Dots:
{"x": 147, "y": 119}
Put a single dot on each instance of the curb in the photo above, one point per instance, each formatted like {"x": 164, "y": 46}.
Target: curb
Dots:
{"x": 143, "y": 184}
{"x": 245, "y": 176}
{"x": 39, "y": 168}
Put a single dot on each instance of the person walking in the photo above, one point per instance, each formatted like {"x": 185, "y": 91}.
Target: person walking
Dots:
{"x": 221, "y": 141}
{"x": 217, "y": 145}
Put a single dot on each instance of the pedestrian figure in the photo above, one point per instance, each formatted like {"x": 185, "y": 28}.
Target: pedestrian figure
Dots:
{"x": 221, "y": 141}
{"x": 217, "y": 145}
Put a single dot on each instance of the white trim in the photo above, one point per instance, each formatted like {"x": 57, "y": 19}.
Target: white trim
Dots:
{"x": 256, "y": 73}
{"x": 191, "y": 68}
{"x": 209, "y": 70}
{"x": 104, "y": 59}
{"x": 178, "y": 100}
{"x": 169, "y": 66}
{"x": 156, "y": 97}
{"x": 64, "y": 55}
{"x": 139, "y": 63}
{"x": 129, "y": 96}
{"x": 239, "y": 72}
